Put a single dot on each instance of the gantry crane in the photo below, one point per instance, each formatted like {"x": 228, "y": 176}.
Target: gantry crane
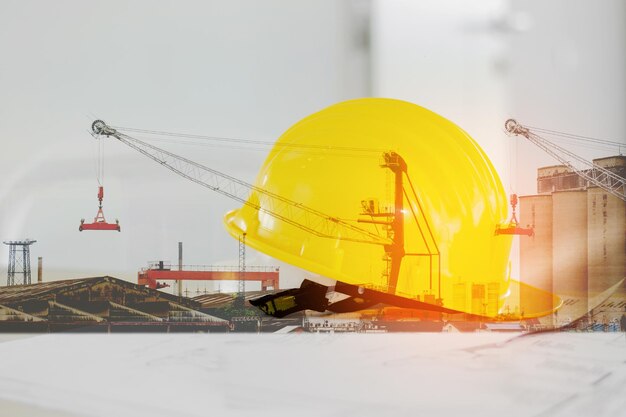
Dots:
{"x": 308, "y": 219}
{"x": 592, "y": 173}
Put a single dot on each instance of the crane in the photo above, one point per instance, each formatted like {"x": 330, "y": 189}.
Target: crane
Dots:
{"x": 592, "y": 173}
{"x": 306, "y": 218}
{"x": 99, "y": 222}
{"x": 296, "y": 214}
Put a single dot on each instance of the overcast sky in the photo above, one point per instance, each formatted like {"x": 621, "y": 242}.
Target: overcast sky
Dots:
{"x": 251, "y": 69}
{"x": 236, "y": 69}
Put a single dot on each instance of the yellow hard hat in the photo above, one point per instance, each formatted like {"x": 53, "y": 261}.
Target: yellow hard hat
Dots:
{"x": 337, "y": 162}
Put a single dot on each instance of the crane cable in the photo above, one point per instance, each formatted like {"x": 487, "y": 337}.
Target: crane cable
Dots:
{"x": 292, "y": 147}
{"x": 512, "y": 166}
{"x": 355, "y": 151}
{"x": 261, "y": 145}
{"x": 583, "y": 141}
{"x": 99, "y": 160}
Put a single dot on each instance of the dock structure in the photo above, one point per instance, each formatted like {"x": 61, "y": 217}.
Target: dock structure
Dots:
{"x": 100, "y": 304}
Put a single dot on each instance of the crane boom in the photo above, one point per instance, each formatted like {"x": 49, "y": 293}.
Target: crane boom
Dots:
{"x": 268, "y": 203}
{"x": 594, "y": 174}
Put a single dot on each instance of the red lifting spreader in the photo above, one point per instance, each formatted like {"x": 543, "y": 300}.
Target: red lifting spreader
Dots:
{"x": 513, "y": 227}
{"x": 99, "y": 222}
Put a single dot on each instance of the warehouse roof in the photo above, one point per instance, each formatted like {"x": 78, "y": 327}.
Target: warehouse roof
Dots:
{"x": 98, "y": 301}
{"x": 219, "y": 300}
{"x": 48, "y": 290}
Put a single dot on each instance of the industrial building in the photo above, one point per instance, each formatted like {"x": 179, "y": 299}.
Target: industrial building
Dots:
{"x": 100, "y": 304}
{"x": 578, "y": 249}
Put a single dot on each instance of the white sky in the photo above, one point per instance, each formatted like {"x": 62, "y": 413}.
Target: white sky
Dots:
{"x": 236, "y": 68}
{"x": 486, "y": 374}
{"x": 250, "y": 69}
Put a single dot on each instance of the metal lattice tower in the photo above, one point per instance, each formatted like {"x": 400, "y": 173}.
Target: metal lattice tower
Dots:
{"x": 19, "y": 265}
{"x": 241, "y": 288}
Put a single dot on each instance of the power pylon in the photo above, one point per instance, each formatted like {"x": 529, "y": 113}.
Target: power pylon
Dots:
{"x": 19, "y": 265}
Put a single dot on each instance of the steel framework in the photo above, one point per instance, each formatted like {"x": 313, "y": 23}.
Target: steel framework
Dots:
{"x": 241, "y": 288}
{"x": 155, "y": 275}
{"x": 19, "y": 265}
{"x": 592, "y": 173}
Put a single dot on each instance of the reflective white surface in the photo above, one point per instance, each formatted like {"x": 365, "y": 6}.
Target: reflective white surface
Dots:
{"x": 442, "y": 374}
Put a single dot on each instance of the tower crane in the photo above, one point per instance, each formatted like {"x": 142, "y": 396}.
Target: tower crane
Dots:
{"x": 311, "y": 295}
{"x": 592, "y": 173}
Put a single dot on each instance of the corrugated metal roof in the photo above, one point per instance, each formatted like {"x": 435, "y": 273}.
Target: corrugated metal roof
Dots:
{"x": 47, "y": 290}
{"x": 10, "y": 314}
{"x": 218, "y": 300}
{"x": 40, "y": 291}
{"x": 75, "y": 309}
{"x": 61, "y": 313}
{"x": 180, "y": 313}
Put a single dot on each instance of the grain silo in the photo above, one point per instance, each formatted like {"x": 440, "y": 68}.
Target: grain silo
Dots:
{"x": 579, "y": 247}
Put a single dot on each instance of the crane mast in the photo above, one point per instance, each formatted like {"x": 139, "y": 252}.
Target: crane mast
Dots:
{"x": 592, "y": 173}
{"x": 241, "y": 285}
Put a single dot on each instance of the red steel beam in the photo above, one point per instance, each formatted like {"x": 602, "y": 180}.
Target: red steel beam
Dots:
{"x": 151, "y": 276}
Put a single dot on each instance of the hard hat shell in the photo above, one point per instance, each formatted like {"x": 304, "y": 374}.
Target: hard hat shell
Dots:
{"x": 330, "y": 161}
